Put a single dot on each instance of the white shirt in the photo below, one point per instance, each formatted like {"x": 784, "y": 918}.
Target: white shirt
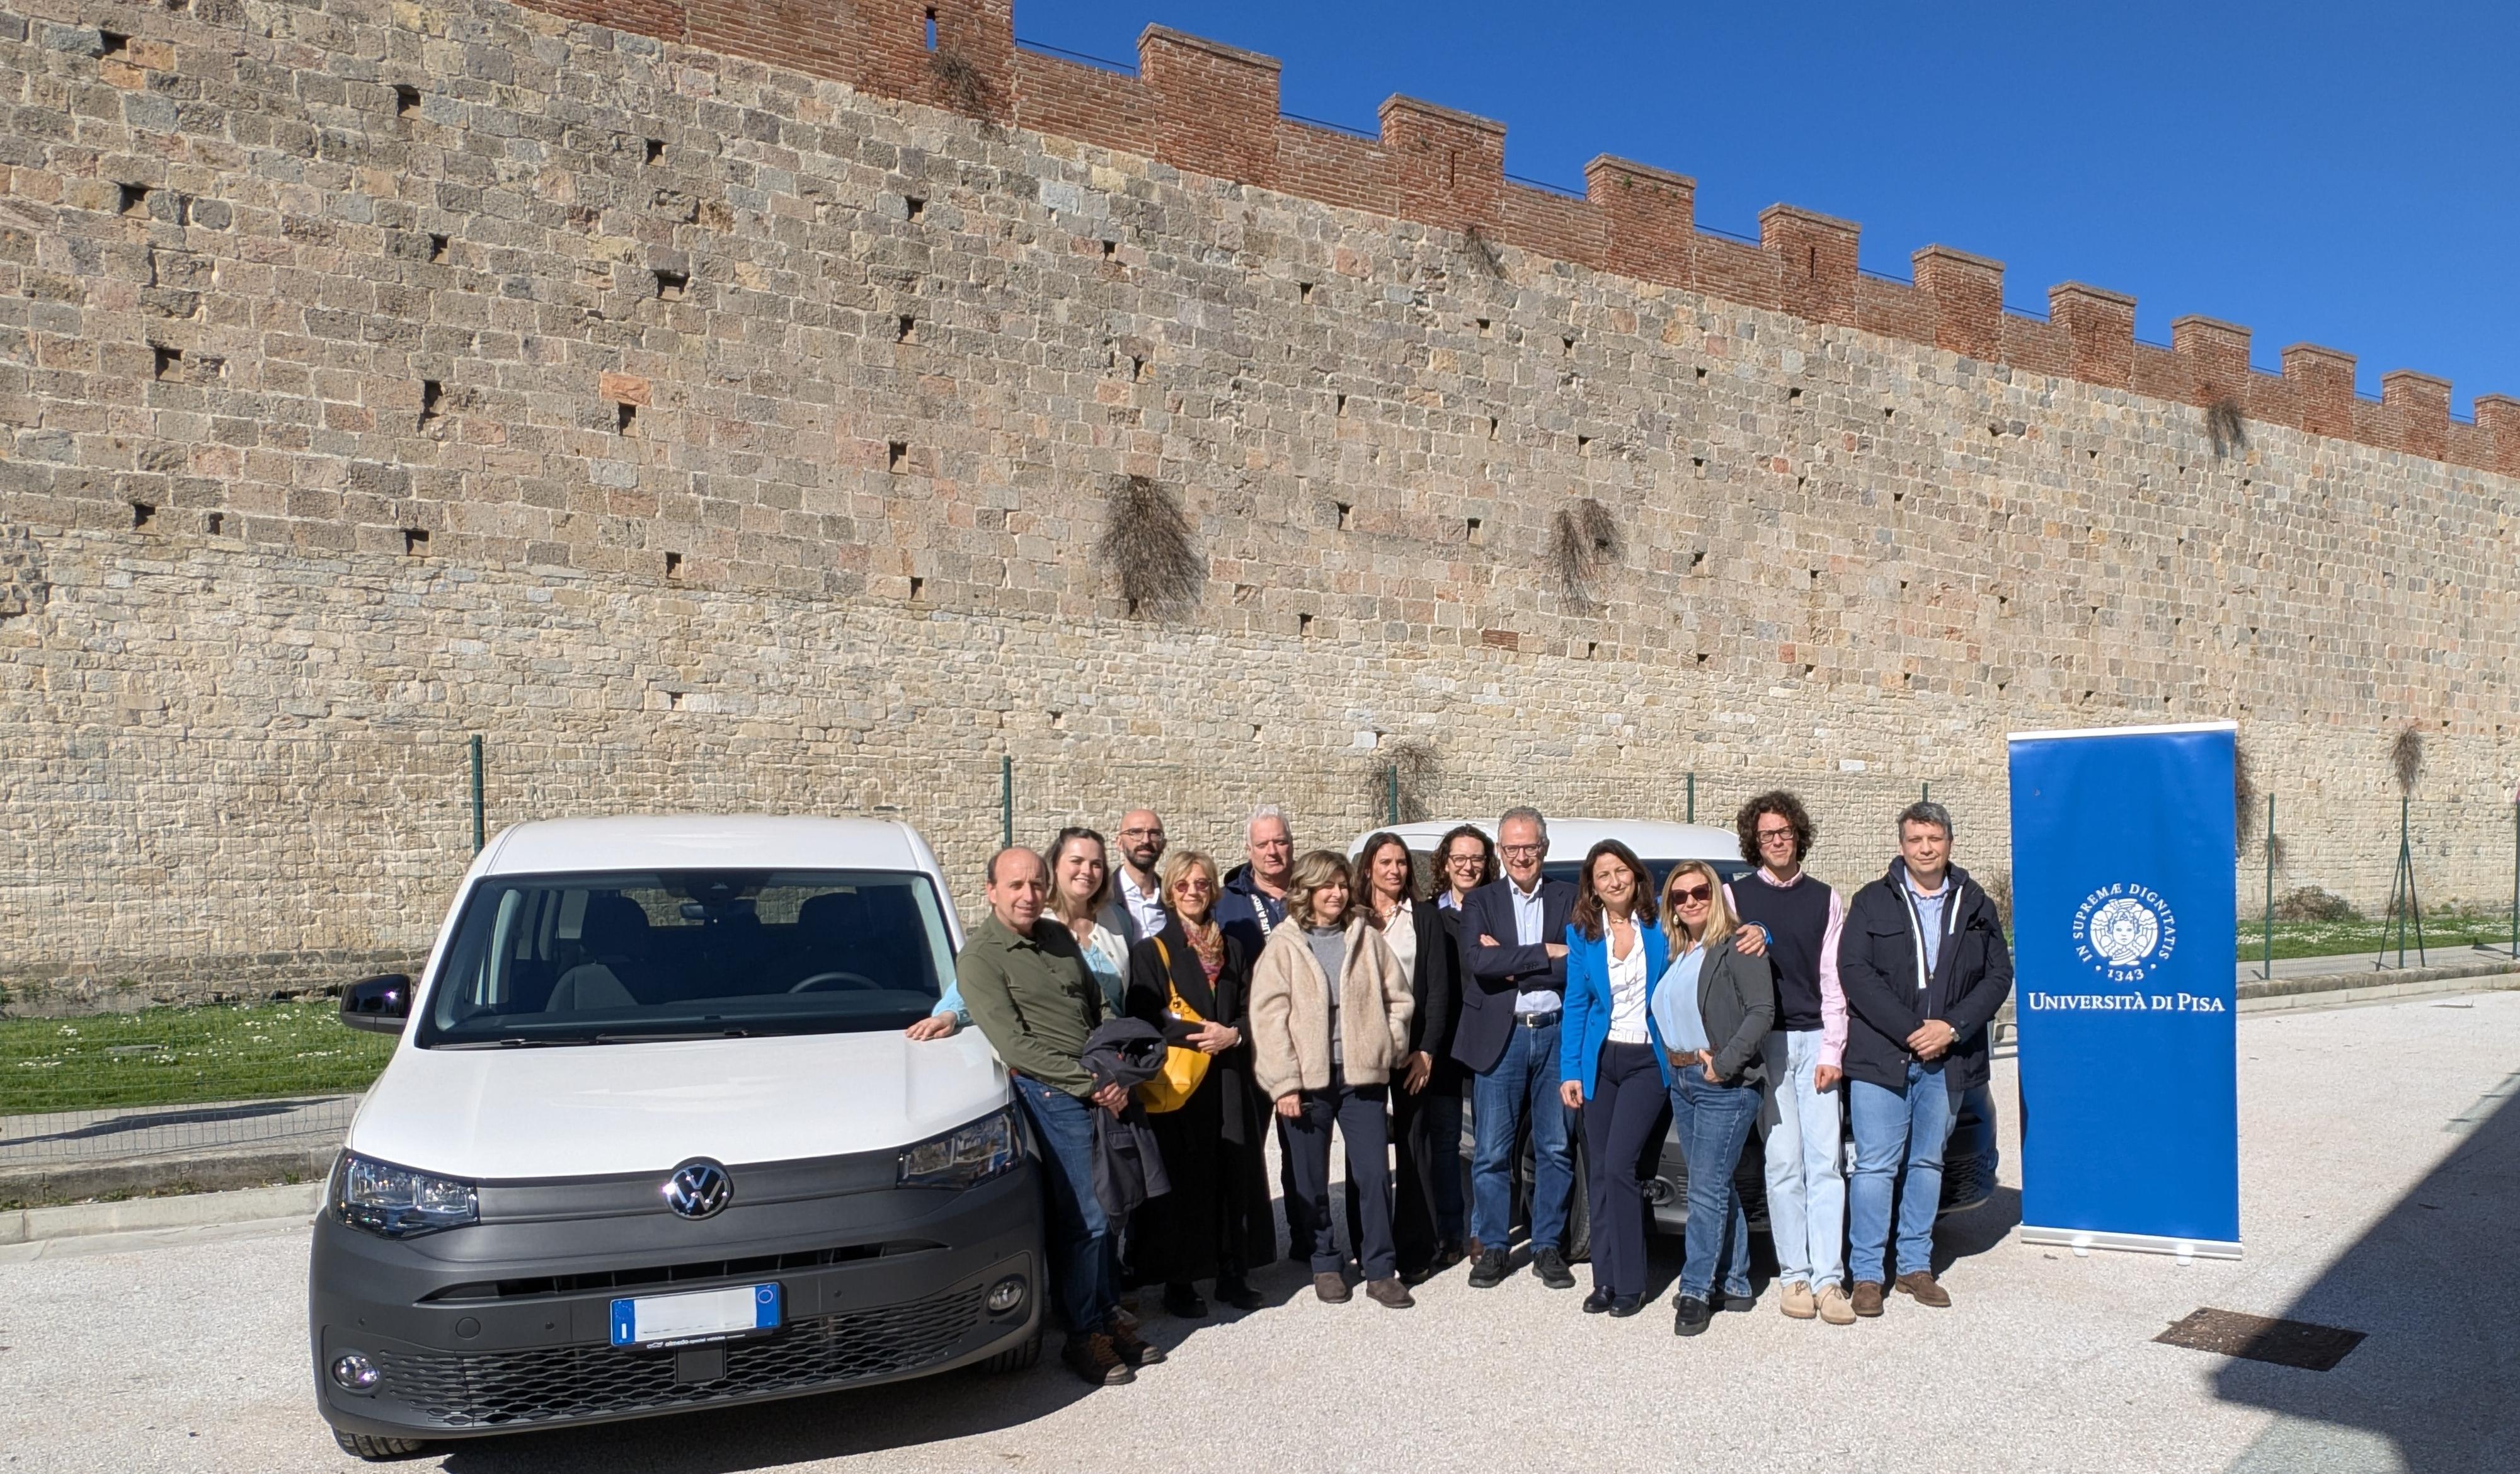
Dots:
{"x": 1627, "y": 988}
{"x": 1146, "y": 911}
{"x": 1400, "y": 934}
{"x": 1527, "y": 920}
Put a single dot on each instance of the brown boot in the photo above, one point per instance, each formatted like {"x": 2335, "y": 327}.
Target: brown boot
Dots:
{"x": 1333, "y": 1288}
{"x": 1868, "y": 1297}
{"x": 1389, "y": 1292}
{"x": 1133, "y": 1347}
{"x": 1921, "y": 1285}
{"x": 1093, "y": 1359}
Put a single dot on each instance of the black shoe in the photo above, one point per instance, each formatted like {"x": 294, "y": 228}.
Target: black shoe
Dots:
{"x": 1182, "y": 1303}
{"x": 1598, "y": 1301}
{"x": 1490, "y": 1271}
{"x": 1418, "y": 1273}
{"x": 1693, "y": 1317}
{"x": 1624, "y": 1306}
{"x": 1551, "y": 1267}
{"x": 1238, "y": 1293}
{"x": 1726, "y": 1301}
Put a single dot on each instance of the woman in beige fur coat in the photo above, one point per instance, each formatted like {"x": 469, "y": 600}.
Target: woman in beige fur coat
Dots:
{"x": 1325, "y": 1055}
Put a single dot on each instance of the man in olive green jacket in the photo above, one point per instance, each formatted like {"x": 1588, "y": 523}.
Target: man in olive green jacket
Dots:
{"x": 1030, "y": 994}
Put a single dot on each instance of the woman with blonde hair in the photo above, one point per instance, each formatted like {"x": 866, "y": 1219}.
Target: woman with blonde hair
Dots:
{"x": 1329, "y": 1024}
{"x": 1711, "y": 1011}
{"x": 1192, "y": 981}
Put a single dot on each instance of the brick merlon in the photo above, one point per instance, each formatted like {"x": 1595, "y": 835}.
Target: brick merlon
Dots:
{"x": 1607, "y": 168}
{"x": 1796, "y": 214}
{"x": 1401, "y": 103}
{"x": 1165, "y": 33}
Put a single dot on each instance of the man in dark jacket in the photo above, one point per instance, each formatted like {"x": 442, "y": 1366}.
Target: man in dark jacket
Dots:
{"x": 1924, "y": 965}
{"x": 1254, "y": 900}
{"x": 1514, "y": 950}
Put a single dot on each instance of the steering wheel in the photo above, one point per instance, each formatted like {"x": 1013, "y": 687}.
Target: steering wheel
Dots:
{"x": 837, "y": 980}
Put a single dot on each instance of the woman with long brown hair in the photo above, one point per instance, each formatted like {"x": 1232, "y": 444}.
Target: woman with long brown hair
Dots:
{"x": 1384, "y": 875}
{"x": 1612, "y": 1060}
{"x": 1192, "y": 981}
{"x": 1711, "y": 1011}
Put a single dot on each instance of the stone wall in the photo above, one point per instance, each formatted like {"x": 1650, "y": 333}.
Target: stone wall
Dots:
{"x": 709, "y": 434}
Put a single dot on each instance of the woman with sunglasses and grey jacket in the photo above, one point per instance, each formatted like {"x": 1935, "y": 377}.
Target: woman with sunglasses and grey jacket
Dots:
{"x": 1712, "y": 1010}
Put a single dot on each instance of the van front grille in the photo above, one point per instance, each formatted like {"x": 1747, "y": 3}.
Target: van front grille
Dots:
{"x": 645, "y": 1276}
{"x": 518, "y": 1387}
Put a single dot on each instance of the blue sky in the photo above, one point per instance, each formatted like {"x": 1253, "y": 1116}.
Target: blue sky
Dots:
{"x": 2343, "y": 176}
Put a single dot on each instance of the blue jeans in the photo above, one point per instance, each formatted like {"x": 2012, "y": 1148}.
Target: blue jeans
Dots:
{"x": 1079, "y": 1231}
{"x": 1523, "y": 1085}
{"x": 1805, "y": 1167}
{"x": 1712, "y": 1122}
{"x": 1899, "y": 1139}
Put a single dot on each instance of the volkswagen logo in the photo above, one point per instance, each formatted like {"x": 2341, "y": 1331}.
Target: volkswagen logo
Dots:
{"x": 698, "y": 1188}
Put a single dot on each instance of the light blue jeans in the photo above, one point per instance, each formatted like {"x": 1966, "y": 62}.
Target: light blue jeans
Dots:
{"x": 1899, "y": 1140}
{"x": 1523, "y": 1085}
{"x": 1713, "y": 1121}
{"x": 1798, "y": 1125}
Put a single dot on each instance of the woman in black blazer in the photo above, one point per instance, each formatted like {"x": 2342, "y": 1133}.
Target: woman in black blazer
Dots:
{"x": 1216, "y": 1221}
{"x": 1425, "y": 1098}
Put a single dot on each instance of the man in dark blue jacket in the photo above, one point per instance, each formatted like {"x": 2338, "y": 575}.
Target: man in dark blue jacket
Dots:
{"x": 1254, "y": 898}
{"x": 1514, "y": 946}
{"x": 1924, "y": 965}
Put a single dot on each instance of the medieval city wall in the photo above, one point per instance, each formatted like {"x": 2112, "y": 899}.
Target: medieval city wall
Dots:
{"x": 733, "y": 415}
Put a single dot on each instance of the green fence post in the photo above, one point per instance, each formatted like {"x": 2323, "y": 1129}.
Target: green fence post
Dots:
{"x": 477, "y": 793}
{"x": 1692, "y": 795}
{"x": 1925, "y": 793}
{"x": 2269, "y": 971}
{"x": 2515, "y": 873}
{"x": 1006, "y": 800}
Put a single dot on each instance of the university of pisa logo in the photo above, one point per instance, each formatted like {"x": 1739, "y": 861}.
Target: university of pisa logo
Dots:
{"x": 2125, "y": 931}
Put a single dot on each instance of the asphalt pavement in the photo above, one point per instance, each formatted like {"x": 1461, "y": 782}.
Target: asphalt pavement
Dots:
{"x": 2381, "y": 1194}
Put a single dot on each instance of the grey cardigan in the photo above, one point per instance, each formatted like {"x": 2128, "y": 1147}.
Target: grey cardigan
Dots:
{"x": 1737, "y": 999}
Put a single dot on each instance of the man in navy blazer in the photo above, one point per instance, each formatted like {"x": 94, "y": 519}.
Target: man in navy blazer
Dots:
{"x": 1513, "y": 947}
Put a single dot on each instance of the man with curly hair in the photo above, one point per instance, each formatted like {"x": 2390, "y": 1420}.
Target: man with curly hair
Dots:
{"x": 1798, "y": 921}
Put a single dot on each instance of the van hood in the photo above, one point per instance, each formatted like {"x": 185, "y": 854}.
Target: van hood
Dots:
{"x": 593, "y": 1110}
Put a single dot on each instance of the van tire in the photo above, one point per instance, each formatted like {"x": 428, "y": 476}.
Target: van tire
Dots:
{"x": 376, "y": 1450}
{"x": 1016, "y": 1358}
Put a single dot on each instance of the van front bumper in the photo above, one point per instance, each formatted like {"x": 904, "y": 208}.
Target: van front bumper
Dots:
{"x": 507, "y": 1323}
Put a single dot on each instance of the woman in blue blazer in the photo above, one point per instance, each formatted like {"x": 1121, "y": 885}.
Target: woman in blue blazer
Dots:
{"x": 1611, "y": 1060}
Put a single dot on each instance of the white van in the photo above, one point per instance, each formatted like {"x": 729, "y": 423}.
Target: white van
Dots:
{"x": 653, "y": 1139}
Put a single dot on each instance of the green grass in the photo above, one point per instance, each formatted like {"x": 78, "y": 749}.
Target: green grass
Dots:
{"x": 2448, "y": 931}
{"x": 173, "y": 1056}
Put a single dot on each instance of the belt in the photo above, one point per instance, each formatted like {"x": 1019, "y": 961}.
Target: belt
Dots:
{"x": 1538, "y": 1020}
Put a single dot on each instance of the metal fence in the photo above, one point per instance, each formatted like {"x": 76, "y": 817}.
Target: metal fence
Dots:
{"x": 139, "y": 877}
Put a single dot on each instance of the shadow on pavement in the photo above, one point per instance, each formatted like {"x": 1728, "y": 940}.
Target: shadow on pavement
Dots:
{"x": 156, "y": 1118}
{"x": 2436, "y": 1385}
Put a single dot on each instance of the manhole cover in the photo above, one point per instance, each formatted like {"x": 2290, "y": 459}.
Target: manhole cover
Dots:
{"x": 2256, "y": 1338}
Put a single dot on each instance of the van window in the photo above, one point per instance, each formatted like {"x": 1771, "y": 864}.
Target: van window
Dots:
{"x": 618, "y": 956}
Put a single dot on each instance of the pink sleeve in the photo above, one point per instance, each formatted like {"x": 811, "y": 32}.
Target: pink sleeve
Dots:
{"x": 1832, "y": 993}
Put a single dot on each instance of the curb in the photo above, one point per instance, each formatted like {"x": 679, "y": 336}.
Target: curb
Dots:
{"x": 65, "y": 1184}
{"x": 21, "y": 1226}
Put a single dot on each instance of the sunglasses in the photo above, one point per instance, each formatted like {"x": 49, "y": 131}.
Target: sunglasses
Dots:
{"x": 1690, "y": 894}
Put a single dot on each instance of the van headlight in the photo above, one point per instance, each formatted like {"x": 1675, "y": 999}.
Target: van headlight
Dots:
{"x": 961, "y": 1157}
{"x": 398, "y": 1202}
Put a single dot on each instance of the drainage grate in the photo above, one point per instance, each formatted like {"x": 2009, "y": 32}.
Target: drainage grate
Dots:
{"x": 2255, "y": 1338}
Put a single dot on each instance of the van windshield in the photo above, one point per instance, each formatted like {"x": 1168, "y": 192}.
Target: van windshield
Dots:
{"x": 620, "y": 956}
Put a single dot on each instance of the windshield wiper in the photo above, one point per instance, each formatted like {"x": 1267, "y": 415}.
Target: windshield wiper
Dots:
{"x": 510, "y": 1041}
{"x": 670, "y": 1038}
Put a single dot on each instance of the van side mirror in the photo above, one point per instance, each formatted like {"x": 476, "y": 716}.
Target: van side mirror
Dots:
{"x": 378, "y": 1004}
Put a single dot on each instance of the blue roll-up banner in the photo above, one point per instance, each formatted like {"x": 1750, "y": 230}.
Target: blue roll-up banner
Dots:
{"x": 2124, "y": 935}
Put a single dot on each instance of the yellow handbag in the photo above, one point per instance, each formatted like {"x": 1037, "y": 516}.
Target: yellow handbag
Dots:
{"x": 1184, "y": 1069}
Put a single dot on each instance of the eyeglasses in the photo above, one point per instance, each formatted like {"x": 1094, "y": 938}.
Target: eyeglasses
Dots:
{"x": 1767, "y": 834}
{"x": 1470, "y": 858}
{"x": 1521, "y": 851}
{"x": 1141, "y": 833}
{"x": 1194, "y": 887}
{"x": 1689, "y": 895}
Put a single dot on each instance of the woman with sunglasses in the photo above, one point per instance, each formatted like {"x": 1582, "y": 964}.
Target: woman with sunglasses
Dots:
{"x": 1612, "y": 1060}
{"x": 1711, "y": 1012}
{"x": 1192, "y": 981}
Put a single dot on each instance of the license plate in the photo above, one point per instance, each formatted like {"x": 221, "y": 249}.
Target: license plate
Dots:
{"x": 654, "y": 1321}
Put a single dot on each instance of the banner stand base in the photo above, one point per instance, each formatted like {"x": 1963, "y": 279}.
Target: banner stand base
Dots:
{"x": 2084, "y": 1239}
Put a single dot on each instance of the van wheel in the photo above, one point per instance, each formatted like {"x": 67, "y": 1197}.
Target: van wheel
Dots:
{"x": 374, "y": 1448}
{"x": 1016, "y": 1358}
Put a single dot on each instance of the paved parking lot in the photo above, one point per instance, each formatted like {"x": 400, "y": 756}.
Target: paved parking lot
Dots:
{"x": 2381, "y": 1161}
